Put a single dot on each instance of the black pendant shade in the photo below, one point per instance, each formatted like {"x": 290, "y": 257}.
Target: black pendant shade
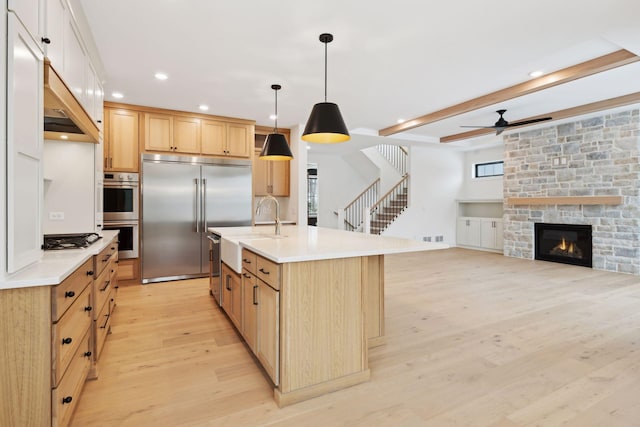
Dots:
{"x": 325, "y": 124}
{"x": 275, "y": 145}
{"x": 276, "y": 148}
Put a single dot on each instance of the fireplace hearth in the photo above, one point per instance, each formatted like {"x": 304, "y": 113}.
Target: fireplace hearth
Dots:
{"x": 564, "y": 243}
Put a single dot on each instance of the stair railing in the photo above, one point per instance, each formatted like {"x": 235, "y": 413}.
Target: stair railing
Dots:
{"x": 395, "y": 155}
{"x": 355, "y": 211}
{"x": 388, "y": 208}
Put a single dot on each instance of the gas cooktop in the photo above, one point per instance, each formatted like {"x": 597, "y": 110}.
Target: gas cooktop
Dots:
{"x": 69, "y": 241}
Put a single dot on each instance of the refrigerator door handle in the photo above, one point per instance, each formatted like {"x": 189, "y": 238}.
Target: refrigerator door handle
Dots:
{"x": 203, "y": 204}
{"x": 196, "y": 182}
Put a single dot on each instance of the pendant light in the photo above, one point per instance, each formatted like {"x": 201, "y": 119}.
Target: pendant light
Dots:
{"x": 275, "y": 145}
{"x": 325, "y": 124}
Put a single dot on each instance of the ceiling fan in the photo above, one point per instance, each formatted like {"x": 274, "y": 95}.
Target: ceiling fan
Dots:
{"x": 501, "y": 125}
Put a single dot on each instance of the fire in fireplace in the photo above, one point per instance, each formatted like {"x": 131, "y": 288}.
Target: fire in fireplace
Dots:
{"x": 564, "y": 243}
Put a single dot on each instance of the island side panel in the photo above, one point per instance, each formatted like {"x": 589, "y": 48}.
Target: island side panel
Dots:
{"x": 373, "y": 278}
{"x": 25, "y": 356}
{"x": 322, "y": 335}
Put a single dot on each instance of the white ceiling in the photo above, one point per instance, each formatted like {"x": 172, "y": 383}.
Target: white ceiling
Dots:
{"x": 388, "y": 60}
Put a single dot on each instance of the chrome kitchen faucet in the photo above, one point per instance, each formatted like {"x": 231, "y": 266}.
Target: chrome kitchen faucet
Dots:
{"x": 270, "y": 197}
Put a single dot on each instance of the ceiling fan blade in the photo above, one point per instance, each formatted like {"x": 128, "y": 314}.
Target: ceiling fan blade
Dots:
{"x": 499, "y": 131}
{"x": 527, "y": 122}
{"x": 479, "y": 127}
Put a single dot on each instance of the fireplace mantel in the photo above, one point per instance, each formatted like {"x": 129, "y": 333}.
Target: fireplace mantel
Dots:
{"x": 575, "y": 200}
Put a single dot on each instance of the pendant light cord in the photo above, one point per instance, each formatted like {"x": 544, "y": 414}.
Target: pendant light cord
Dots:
{"x": 325, "y": 71}
{"x": 275, "y": 129}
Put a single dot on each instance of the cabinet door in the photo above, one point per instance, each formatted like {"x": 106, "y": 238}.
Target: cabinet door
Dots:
{"x": 488, "y": 234}
{"x": 121, "y": 153}
{"x": 499, "y": 237}
{"x": 232, "y": 295}
{"x": 239, "y": 138}
{"x": 214, "y": 137}
{"x": 158, "y": 132}
{"x": 269, "y": 330}
{"x": 250, "y": 309}
{"x": 261, "y": 185}
{"x": 30, "y": 13}
{"x": 24, "y": 146}
{"x": 474, "y": 232}
{"x": 55, "y": 26}
{"x": 186, "y": 135}
{"x": 279, "y": 178}
{"x": 75, "y": 61}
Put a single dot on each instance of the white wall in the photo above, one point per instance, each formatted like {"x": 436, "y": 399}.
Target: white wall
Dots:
{"x": 389, "y": 175}
{"x": 3, "y": 142}
{"x": 69, "y": 187}
{"x": 436, "y": 179}
{"x": 338, "y": 184}
{"x": 481, "y": 188}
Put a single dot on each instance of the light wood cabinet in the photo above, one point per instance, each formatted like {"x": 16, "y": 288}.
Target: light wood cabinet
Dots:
{"x": 250, "y": 309}
{"x": 226, "y": 139}
{"x": 105, "y": 285}
{"x": 232, "y": 295}
{"x": 164, "y": 132}
{"x": 270, "y": 177}
{"x": 121, "y": 140}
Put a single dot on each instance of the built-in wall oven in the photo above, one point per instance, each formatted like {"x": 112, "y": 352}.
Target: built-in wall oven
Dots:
{"x": 121, "y": 211}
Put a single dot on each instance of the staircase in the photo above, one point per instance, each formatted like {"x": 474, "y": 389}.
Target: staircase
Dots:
{"x": 372, "y": 214}
{"x": 389, "y": 207}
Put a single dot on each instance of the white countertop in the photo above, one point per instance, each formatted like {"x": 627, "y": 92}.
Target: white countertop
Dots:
{"x": 306, "y": 243}
{"x": 55, "y": 266}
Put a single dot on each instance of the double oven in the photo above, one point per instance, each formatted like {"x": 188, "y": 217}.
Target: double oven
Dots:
{"x": 121, "y": 211}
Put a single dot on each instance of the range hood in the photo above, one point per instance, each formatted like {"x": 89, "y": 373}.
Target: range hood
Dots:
{"x": 63, "y": 114}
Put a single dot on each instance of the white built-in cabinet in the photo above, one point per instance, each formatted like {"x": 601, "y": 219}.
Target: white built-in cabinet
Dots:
{"x": 57, "y": 15}
{"x": 479, "y": 224}
{"x": 31, "y": 14}
{"x": 24, "y": 145}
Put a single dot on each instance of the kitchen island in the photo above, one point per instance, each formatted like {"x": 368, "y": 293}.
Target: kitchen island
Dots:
{"x": 309, "y": 302}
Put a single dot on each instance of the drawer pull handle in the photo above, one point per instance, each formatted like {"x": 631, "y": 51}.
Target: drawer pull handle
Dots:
{"x": 90, "y": 273}
{"x": 105, "y": 322}
{"x": 106, "y": 285}
{"x": 69, "y": 294}
{"x": 87, "y": 354}
{"x": 67, "y": 399}
{"x": 227, "y": 280}
{"x": 113, "y": 248}
{"x": 88, "y": 308}
{"x": 263, "y": 271}
{"x": 246, "y": 275}
{"x": 117, "y": 261}
{"x": 255, "y": 295}
{"x": 67, "y": 340}
{"x": 246, "y": 260}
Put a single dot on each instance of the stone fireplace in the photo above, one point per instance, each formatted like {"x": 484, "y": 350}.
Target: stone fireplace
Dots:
{"x": 581, "y": 173}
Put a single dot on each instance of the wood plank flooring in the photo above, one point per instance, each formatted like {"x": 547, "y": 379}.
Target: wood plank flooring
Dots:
{"x": 472, "y": 339}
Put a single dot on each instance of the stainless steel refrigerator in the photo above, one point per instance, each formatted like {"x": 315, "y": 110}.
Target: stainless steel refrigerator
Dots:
{"x": 181, "y": 197}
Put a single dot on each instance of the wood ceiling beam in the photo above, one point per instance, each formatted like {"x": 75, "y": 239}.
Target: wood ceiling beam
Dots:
{"x": 593, "y": 107}
{"x": 584, "y": 69}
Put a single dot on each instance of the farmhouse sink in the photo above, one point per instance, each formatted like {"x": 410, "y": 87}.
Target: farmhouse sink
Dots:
{"x": 231, "y": 249}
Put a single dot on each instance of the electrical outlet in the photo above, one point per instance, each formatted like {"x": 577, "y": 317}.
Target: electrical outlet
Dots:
{"x": 439, "y": 238}
{"x": 56, "y": 216}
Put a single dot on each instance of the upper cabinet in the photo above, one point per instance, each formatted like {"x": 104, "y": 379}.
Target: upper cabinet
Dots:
{"x": 121, "y": 140}
{"x": 269, "y": 176}
{"x": 56, "y": 22}
{"x": 226, "y": 139}
{"x": 31, "y": 15}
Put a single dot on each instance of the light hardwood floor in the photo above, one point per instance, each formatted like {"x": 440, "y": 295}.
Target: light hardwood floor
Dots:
{"x": 472, "y": 339}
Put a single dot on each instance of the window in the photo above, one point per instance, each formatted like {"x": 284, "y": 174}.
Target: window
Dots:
{"x": 483, "y": 170}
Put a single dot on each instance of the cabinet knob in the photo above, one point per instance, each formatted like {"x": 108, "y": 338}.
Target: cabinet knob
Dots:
{"x": 67, "y": 340}
{"x": 87, "y": 354}
{"x": 69, "y": 294}
{"x": 90, "y": 273}
{"x": 99, "y": 121}
{"x": 246, "y": 261}
{"x": 88, "y": 308}
{"x": 45, "y": 40}
{"x": 67, "y": 399}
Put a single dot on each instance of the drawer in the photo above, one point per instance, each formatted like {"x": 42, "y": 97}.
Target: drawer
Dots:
{"x": 103, "y": 285}
{"x": 103, "y": 258}
{"x": 249, "y": 260}
{"x": 102, "y": 323}
{"x": 269, "y": 272}
{"x": 64, "y": 294}
{"x": 65, "y": 397}
{"x": 68, "y": 332}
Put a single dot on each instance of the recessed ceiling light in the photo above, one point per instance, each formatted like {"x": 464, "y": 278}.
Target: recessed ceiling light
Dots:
{"x": 203, "y": 107}
{"x": 273, "y": 117}
{"x": 308, "y": 147}
{"x": 161, "y": 76}
{"x": 400, "y": 120}
{"x": 117, "y": 95}
{"x": 64, "y": 137}
{"x": 536, "y": 73}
